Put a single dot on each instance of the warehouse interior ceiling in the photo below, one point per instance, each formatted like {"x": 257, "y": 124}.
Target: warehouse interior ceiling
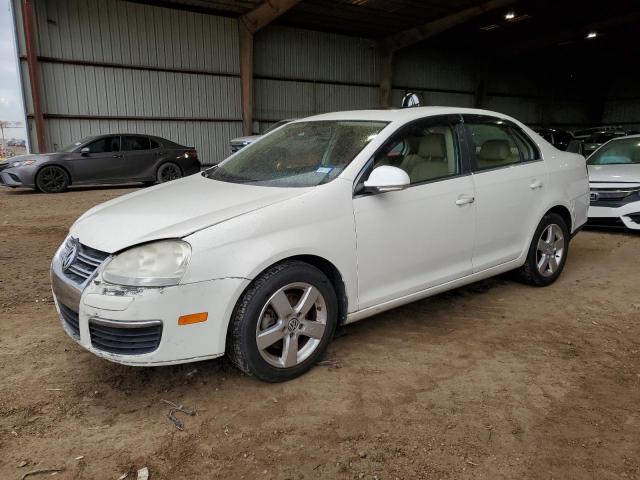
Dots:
{"x": 549, "y": 27}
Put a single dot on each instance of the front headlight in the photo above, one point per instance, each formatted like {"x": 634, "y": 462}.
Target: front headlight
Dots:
{"x": 156, "y": 264}
{"x": 22, "y": 163}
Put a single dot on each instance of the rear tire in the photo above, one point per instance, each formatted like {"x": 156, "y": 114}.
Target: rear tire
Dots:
{"x": 547, "y": 253}
{"x": 283, "y": 322}
{"x": 167, "y": 172}
{"x": 52, "y": 179}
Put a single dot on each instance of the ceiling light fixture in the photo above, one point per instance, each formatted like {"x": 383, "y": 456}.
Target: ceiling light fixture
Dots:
{"x": 509, "y": 16}
{"x": 591, "y": 35}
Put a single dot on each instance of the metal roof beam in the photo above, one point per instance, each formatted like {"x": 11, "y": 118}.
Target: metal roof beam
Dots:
{"x": 409, "y": 37}
{"x": 391, "y": 44}
{"x": 265, "y": 13}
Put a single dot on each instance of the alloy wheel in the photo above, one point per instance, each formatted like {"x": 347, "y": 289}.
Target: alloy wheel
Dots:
{"x": 52, "y": 179}
{"x": 291, "y": 325}
{"x": 550, "y": 250}
{"x": 170, "y": 172}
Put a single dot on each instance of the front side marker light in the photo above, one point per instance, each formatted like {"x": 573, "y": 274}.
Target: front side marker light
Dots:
{"x": 193, "y": 318}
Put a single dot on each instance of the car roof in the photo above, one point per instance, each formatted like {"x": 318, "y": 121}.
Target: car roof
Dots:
{"x": 403, "y": 114}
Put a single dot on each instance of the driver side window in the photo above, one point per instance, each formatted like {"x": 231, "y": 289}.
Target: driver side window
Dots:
{"x": 105, "y": 145}
{"x": 425, "y": 150}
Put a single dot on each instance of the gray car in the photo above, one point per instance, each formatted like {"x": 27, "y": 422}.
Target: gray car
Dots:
{"x": 111, "y": 159}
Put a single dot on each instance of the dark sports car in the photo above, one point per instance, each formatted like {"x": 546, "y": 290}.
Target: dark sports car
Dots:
{"x": 117, "y": 158}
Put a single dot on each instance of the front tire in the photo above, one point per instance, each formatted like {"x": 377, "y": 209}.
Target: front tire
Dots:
{"x": 547, "y": 253}
{"x": 283, "y": 323}
{"x": 167, "y": 172}
{"x": 52, "y": 179}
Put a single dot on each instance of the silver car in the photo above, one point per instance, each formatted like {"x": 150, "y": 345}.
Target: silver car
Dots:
{"x": 241, "y": 142}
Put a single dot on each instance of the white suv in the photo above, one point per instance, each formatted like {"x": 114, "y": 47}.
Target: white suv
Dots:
{"x": 325, "y": 221}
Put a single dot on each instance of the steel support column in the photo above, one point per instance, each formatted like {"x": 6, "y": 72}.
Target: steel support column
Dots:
{"x": 248, "y": 25}
{"x": 34, "y": 72}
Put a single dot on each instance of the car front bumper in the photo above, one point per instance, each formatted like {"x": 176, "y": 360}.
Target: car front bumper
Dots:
{"x": 625, "y": 216}
{"x": 18, "y": 177}
{"x": 139, "y": 326}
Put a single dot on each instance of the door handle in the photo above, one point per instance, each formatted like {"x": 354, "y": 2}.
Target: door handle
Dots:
{"x": 535, "y": 184}
{"x": 465, "y": 200}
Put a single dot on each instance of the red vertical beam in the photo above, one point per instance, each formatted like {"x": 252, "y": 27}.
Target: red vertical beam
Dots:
{"x": 246, "y": 77}
{"x": 34, "y": 73}
{"x": 248, "y": 25}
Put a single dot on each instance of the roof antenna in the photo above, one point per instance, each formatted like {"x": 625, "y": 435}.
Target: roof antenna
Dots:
{"x": 410, "y": 100}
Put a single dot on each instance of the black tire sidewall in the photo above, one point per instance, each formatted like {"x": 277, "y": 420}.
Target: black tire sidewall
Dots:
{"x": 296, "y": 272}
{"x": 162, "y": 167}
{"x": 39, "y": 176}
{"x": 548, "y": 219}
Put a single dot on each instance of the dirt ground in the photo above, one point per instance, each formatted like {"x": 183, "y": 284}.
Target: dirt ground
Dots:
{"x": 493, "y": 381}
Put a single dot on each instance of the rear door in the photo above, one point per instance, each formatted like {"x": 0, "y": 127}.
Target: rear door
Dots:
{"x": 101, "y": 163}
{"x": 138, "y": 157}
{"x": 509, "y": 176}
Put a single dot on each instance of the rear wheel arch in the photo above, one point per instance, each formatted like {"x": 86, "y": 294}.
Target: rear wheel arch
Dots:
{"x": 564, "y": 213}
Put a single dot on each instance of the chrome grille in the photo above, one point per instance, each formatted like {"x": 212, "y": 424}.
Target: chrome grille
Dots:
{"x": 70, "y": 320}
{"x": 80, "y": 262}
{"x": 125, "y": 339}
{"x": 612, "y": 193}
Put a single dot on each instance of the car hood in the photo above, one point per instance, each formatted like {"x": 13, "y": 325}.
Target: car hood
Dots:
{"x": 172, "y": 210}
{"x": 623, "y": 173}
{"x": 243, "y": 140}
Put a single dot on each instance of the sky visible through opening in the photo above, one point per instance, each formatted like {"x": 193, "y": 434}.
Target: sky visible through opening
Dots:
{"x": 11, "y": 109}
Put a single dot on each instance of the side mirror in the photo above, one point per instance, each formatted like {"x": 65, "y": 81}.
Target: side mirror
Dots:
{"x": 85, "y": 151}
{"x": 387, "y": 179}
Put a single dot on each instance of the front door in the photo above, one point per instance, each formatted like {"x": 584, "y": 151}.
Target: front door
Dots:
{"x": 423, "y": 236}
{"x": 101, "y": 163}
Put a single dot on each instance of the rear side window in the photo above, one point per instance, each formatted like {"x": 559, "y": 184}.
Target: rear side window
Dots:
{"x": 135, "y": 142}
{"x": 528, "y": 150}
{"x": 105, "y": 145}
{"x": 498, "y": 144}
{"x": 493, "y": 145}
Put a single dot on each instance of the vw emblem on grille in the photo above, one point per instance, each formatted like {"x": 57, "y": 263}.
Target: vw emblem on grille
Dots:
{"x": 594, "y": 196}
{"x": 69, "y": 254}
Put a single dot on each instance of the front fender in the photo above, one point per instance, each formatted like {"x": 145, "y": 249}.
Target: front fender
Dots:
{"x": 319, "y": 223}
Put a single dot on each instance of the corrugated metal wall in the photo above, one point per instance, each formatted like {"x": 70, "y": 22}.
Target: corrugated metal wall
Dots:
{"x": 301, "y": 72}
{"x": 622, "y": 105}
{"x": 114, "y": 66}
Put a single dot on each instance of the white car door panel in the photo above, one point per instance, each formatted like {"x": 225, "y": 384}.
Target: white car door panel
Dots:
{"x": 507, "y": 202}
{"x": 414, "y": 239}
{"x": 509, "y": 178}
{"x": 422, "y": 236}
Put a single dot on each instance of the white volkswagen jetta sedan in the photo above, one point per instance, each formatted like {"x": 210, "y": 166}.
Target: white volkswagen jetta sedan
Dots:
{"x": 614, "y": 175}
{"x": 325, "y": 221}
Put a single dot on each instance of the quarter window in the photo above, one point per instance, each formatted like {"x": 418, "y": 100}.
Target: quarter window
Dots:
{"x": 153, "y": 144}
{"x": 135, "y": 142}
{"x": 425, "y": 150}
{"x": 105, "y": 145}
